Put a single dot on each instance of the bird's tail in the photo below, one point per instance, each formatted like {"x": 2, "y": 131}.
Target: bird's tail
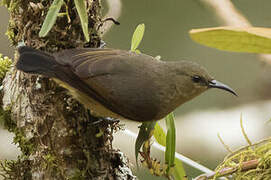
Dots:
{"x": 36, "y": 62}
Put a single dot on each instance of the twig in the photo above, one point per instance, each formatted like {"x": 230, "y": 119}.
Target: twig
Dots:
{"x": 223, "y": 143}
{"x": 182, "y": 158}
{"x": 247, "y": 165}
{"x": 243, "y": 131}
{"x": 114, "y": 12}
{"x": 227, "y": 13}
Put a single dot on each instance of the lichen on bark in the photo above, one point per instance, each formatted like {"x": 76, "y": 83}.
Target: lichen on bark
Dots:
{"x": 56, "y": 134}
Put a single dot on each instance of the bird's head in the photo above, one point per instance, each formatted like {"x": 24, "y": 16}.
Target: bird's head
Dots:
{"x": 192, "y": 79}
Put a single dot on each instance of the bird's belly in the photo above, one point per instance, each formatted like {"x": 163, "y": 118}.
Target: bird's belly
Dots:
{"x": 95, "y": 107}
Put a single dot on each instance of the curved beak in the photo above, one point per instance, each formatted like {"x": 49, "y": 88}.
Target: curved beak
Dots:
{"x": 219, "y": 85}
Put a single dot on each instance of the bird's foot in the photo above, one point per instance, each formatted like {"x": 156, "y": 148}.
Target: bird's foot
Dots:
{"x": 107, "y": 120}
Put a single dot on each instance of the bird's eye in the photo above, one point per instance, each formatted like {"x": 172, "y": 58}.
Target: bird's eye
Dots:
{"x": 196, "y": 79}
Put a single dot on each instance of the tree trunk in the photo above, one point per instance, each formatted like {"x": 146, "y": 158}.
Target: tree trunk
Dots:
{"x": 56, "y": 134}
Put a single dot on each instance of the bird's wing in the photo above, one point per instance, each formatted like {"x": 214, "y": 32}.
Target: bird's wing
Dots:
{"x": 91, "y": 62}
{"x": 116, "y": 77}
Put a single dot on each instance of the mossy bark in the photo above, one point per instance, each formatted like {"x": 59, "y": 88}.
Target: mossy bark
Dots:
{"x": 55, "y": 133}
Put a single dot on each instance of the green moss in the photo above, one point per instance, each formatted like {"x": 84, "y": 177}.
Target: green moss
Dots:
{"x": 5, "y": 3}
{"x": 78, "y": 175}
{"x": 5, "y": 64}
{"x": 10, "y": 33}
{"x": 50, "y": 160}
{"x": 12, "y": 5}
{"x": 83, "y": 172}
{"x": 11, "y": 169}
{"x": 259, "y": 153}
{"x": 26, "y": 145}
{"x": 5, "y": 119}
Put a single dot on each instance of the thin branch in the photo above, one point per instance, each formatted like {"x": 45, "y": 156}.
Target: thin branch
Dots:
{"x": 243, "y": 131}
{"x": 114, "y": 12}
{"x": 223, "y": 143}
{"x": 182, "y": 158}
{"x": 247, "y": 165}
{"x": 227, "y": 13}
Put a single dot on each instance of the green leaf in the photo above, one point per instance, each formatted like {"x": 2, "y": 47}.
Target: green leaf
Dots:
{"x": 6, "y": 3}
{"x": 159, "y": 135}
{"x": 178, "y": 171}
{"x": 144, "y": 133}
{"x": 137, "y": 36}
{"x": 237, "y": 39}
{"x": 82, "y": 11}
{"x": 50, "y": 18}
{"x": 171, "y": 142}
{"x": 137, "y": 51}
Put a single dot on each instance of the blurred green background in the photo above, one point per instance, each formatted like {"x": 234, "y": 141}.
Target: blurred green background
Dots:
{"x": 167, "y": 25}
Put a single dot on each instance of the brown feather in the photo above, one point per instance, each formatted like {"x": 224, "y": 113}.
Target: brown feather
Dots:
{"x": 119, "y": 83}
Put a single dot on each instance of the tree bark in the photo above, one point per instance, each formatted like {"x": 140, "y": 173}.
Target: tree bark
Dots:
{"x": 56, "y": 134}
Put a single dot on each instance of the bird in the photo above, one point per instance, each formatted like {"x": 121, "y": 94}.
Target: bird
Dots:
{"x": 121, "y": 84}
